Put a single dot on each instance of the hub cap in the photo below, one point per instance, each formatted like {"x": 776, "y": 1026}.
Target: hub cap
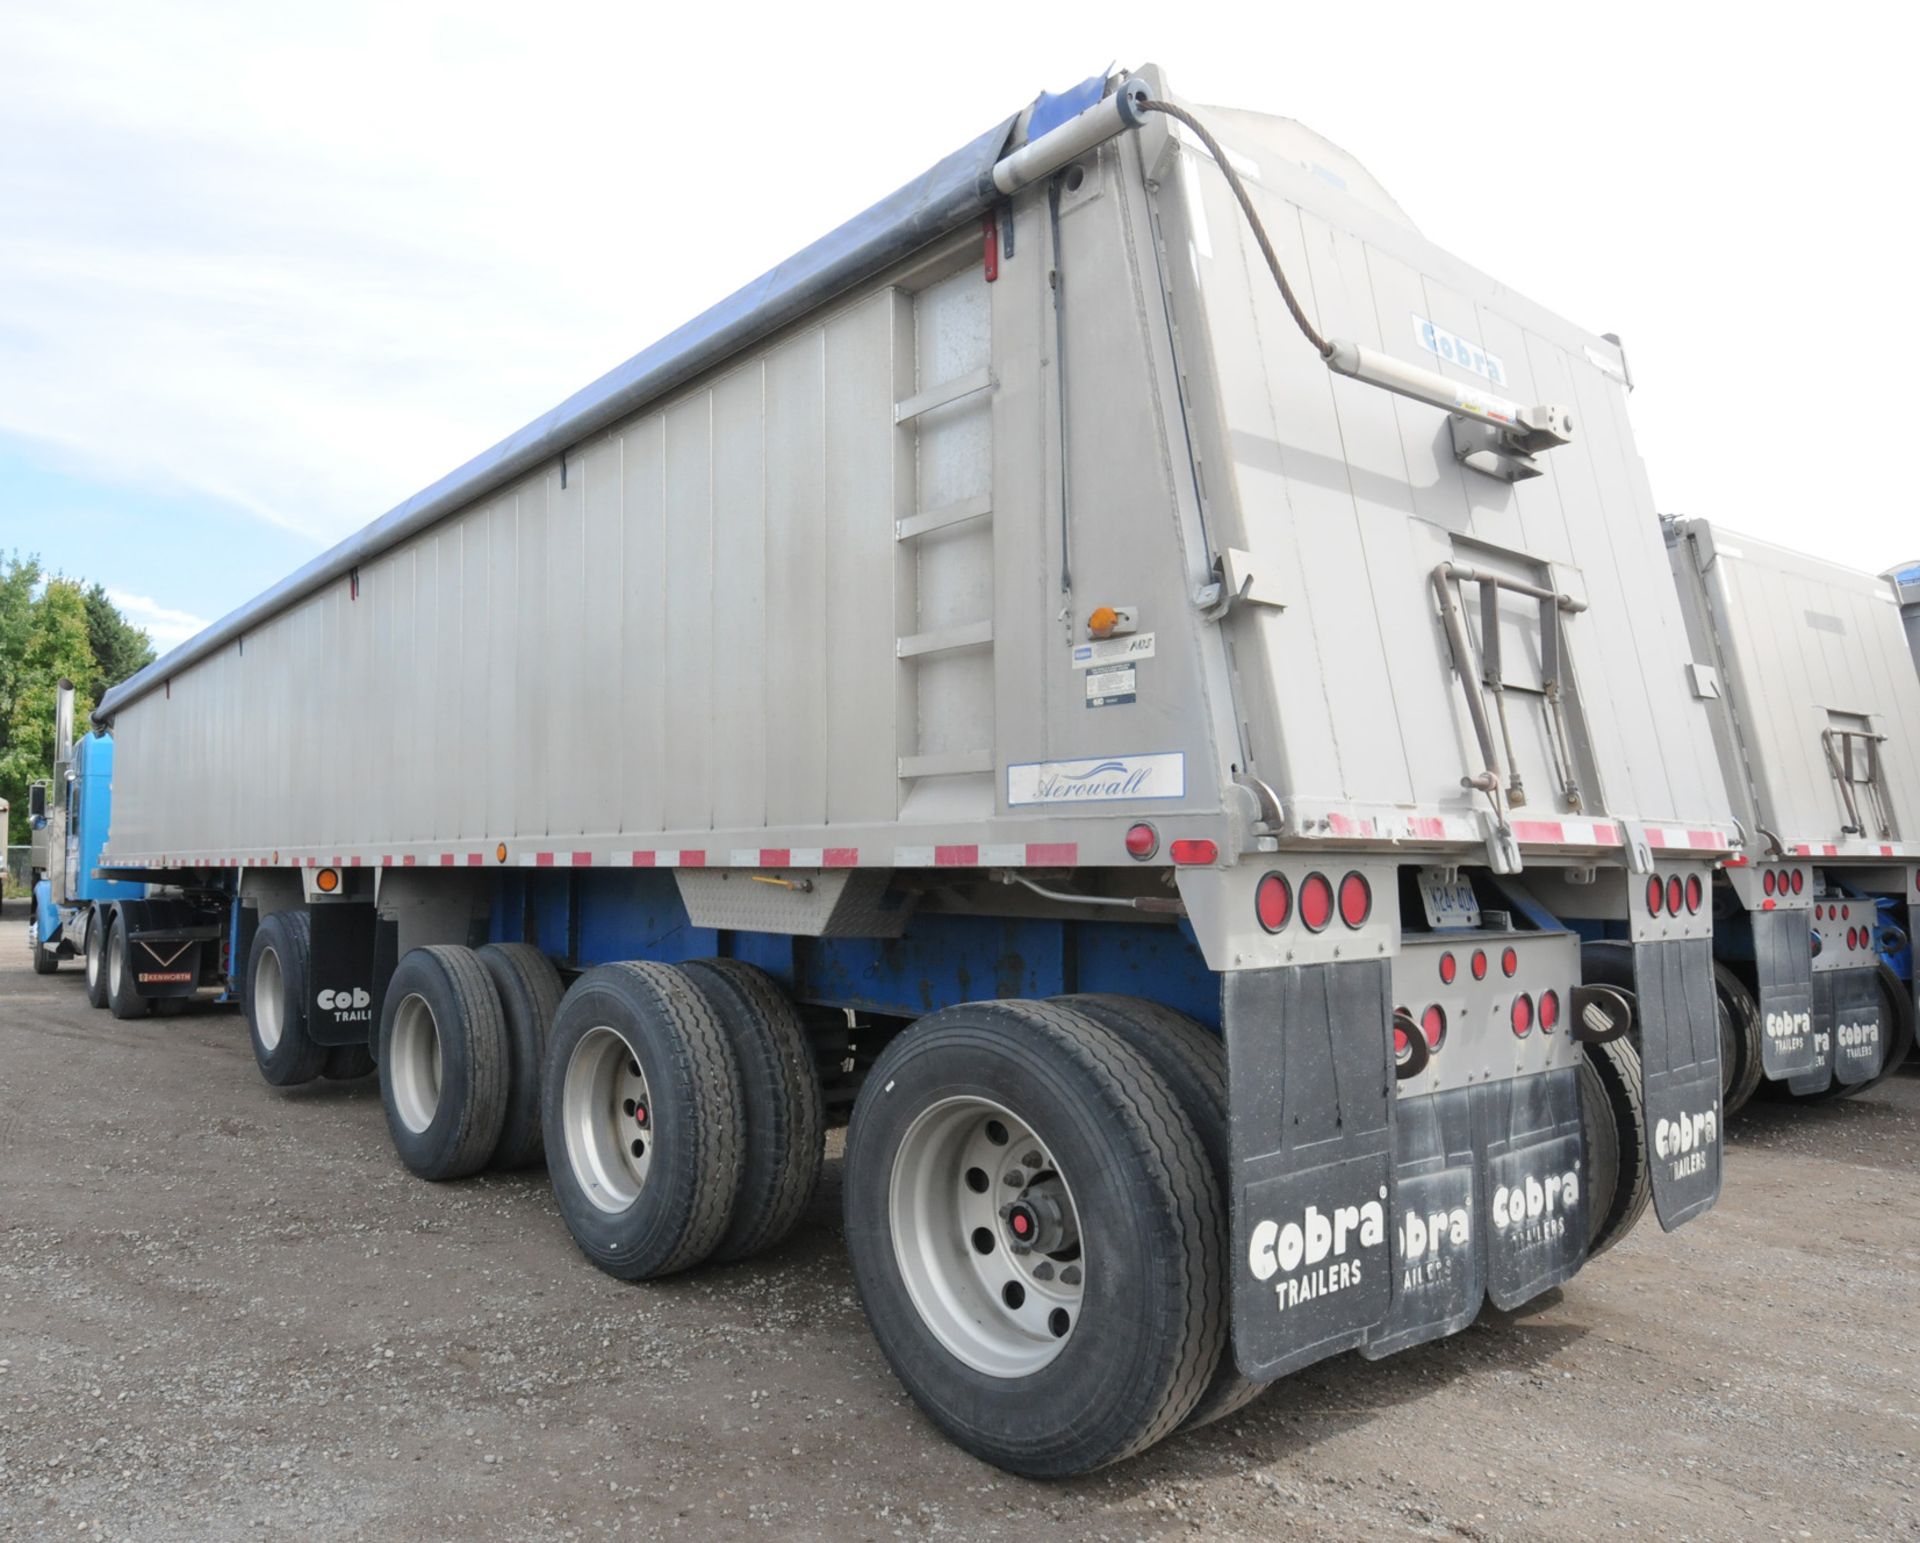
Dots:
{"x": 987, "y": 1237}
{"x": 93, "y": 953}
{"x": 117, "y": 970}
{"x": 416, "y": 1063}
{"x": 608, "y": 1117}
{"x": 267, "y": 992}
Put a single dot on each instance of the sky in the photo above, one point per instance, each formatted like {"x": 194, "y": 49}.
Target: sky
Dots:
{"x": 267, "y": 270}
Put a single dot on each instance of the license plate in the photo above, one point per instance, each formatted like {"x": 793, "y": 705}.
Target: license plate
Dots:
{"x": 1449, "y": 902}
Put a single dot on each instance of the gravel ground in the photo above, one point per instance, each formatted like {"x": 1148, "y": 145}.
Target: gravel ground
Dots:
{"x": 227, "y": 1312}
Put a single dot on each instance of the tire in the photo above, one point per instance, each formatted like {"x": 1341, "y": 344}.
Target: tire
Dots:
{"x": 529, "y": 989}
{"x": 443, "y": 1063}
{"x": 275, "y": 997}
{"x": 1897, "y": 1004}
{"x": 123, "y": 996}
{"x": 99, "y": 925}
{"x": 348, "y": 1063}
{"x": 1192, "y": 1061}
{"x": 45, "y": 960}
{"x": 1114, "y": 1152}
{"x": 1619, "y": 1174}
{"x": 642, "y": 1205}
{"x": 782, "y": 1107}
{"x": 1740, "y": 1038}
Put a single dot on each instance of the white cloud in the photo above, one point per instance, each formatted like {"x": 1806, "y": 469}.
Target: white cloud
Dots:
{"x": 167, "y": 627}
{"x": 306, "y": 260}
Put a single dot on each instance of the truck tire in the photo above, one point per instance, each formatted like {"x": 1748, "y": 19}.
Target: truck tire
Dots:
{"x": 275, "y": 997}
{"x": 991, "y": 1122}
{"x": 1614, "y": 1113}
{"x": 782, "y": 1107}
{"x": 45, "y": 960}
{"x": 1192, "y": 1061}
{"x": 348, "y": 1063}
{"x": 642, "y": 1117}
{"x": 99, "y": 925}
{"x": 443, "y": 1062}
{"x": 529, "y": 989}
{"x": 123, "y": 996}
{"x": 1740, "y": 1037}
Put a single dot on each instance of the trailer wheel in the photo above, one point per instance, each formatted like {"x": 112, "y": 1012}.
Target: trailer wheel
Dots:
{"x": 276, "y": 999}
{"x": 348, "y": 1063}
{"x": 1192, "y": 1062}
{"x": 1740, "y": 1037}
{"x": 1031, "y": 1217}
{"x": 642, "y": 1116}
{"x": 123, "y": 995}
{"x": 1614, "y": 1113}
{"x": 443, "y": 1062}
{"x": 99, "y": 924}
{"x": 781, "y": 1104}
{"x": 45, "y": 960}
{"x": 530, "y": 992}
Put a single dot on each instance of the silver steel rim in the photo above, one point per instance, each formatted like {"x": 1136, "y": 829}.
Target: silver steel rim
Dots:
{"x": 268, "y": 989}
{"x": 987, "y": 1237}
{"x": 416, "y": 1063}
{"x": 116, "y": 970}
{"x": 607, "y": 1114}
{"x": 93, "y": 953}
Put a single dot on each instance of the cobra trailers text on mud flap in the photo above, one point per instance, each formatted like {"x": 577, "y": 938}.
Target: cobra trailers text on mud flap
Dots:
{"x": 1180, "y": 777}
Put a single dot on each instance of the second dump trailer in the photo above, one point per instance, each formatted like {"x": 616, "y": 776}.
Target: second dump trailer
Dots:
{"x": 1804, "y": 669}
{"x": 1186, "y": 759}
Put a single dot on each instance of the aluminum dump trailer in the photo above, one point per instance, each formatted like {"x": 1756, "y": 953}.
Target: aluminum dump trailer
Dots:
{"x": 1187, "y": 788}
{"x": 1804, "y": 669}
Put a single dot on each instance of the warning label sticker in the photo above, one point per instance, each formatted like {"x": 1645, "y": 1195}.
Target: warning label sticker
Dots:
{"x": 1110, "y": 688}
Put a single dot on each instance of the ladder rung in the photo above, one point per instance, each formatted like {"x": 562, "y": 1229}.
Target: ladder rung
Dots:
{"x": 973, "y": 635}
{"x": 940, "y": 395}
{"x": 939, "y": 519}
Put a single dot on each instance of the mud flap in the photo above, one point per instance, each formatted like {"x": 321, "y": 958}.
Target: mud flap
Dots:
{"x": 1783, "y": 964}
{"x": 1859, "y": 1036}
{"x": 1533, "y": 1217}
{"x": 1439, "y": 1267}
{"x": 1818, "y": 1077}
{"x": 1679, "y": 1034}
{"x": 1312, "y": 1090}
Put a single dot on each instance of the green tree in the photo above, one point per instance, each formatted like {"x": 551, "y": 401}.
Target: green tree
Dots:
{"x": 52, "y": 627}
{"x": 119, "y": 648}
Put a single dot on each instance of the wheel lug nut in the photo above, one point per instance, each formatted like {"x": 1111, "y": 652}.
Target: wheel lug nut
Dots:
{"x": 1015, "y": 1179}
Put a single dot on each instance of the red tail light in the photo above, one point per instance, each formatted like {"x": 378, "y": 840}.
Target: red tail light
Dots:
{"x": 1433, "y": 1024}
{"x": 1402, "y": 1046}
{"x": 1549, "y": 1011}
{"x": 1142, "y": 841}
{"x": 1798, "y": 880}
{"x": 1694, "y": 893}
{"x": 1192, "y": 851}
{"x": 1509, "y": 963}
{"x": 1653, "y": 895}
{"x": 1853, "y": 940}
{"x": 1449, "y": 967}
{"x": 1479, "y": 965}
{"x": 1522, "y": 1015}
{"x": 1273, "y": 901}
{"x": 1766, "y": 881}
{"x": 1356, "y": 900}
{"x": 1675, "y": 895}
{"x": 1316, "y": 902}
